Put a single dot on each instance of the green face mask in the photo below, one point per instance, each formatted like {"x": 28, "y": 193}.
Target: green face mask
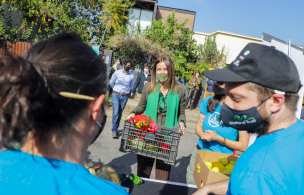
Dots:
{"x": 162, "y": 77}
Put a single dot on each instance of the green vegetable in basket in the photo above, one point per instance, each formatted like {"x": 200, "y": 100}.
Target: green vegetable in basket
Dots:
{"x": 151, "y": 147}
{"x": 137, "y": 143}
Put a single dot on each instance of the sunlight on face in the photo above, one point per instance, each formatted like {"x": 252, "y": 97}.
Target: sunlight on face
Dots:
{"x": 161, "y": 68}
{"x": 239, "y": 97}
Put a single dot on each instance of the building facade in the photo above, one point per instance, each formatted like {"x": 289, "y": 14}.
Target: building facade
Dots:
{"x": 234, "y": 43}
{"x": 180, "y": 14}
{"x": 144, "y": 12}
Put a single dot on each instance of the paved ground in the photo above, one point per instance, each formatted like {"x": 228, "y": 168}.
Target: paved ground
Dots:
{"x": 106, "y": 149}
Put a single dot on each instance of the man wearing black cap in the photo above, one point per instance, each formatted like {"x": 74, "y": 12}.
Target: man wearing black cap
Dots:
{"x": 261, "y": 96}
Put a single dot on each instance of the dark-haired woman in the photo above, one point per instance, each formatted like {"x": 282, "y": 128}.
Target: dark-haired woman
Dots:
{"x": 194, "y": 86}
{"x": 52, "y": 103}
{"x": 213, "y": 135}
{"x": 164, "y": 101}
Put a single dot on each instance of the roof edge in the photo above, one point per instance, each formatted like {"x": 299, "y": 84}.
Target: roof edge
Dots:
{"x": 228, "y": 33}
{"x": 177, "y": 10}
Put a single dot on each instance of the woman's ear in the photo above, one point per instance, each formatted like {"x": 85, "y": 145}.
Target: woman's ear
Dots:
{"x": 97, "y": 105}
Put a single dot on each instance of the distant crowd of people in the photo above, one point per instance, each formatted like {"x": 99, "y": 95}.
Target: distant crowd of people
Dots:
{"x": 52, "y": 102}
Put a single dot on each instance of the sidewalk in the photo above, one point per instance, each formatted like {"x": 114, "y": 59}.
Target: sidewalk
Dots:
{"x": 191, "y": 115}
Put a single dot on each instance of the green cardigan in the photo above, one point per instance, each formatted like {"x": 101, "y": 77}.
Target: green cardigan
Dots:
{"x": 161, "y": 116}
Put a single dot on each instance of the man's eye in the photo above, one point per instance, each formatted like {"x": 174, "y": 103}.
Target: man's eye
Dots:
{"x": 235, "y": 98}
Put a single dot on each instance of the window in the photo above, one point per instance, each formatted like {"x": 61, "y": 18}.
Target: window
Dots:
{"x": 139, "y": 16}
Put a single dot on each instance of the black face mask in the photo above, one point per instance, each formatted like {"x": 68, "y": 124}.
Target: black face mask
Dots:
{"x": 126, "y": 68}
{"x": 249, "y": 120}
{"x": 101, "y": 126}
{"x": 218, "y": 90}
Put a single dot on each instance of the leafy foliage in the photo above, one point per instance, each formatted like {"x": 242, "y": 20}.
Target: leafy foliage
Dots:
{"x": 192, "y": 67}
{"x": 84, "y": 17}
{"x": 115, "y": 13}
{"x": 10, "y": 32}
{"x": 160, "y": 39}
{"x": 210, "y": 53}
{"x": 136, "y": 46}
{"x": 176, "y": 38}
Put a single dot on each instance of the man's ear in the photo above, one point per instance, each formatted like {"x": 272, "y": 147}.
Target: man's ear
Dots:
{"x": 97, "y": 106}
{"x": 278, "y": 101}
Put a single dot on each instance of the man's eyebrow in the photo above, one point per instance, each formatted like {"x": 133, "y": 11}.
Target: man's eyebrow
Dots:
{"x": 235, "y": 94}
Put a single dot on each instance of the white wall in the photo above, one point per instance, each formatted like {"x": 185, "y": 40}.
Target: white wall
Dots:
{"x": 234, "y": 44}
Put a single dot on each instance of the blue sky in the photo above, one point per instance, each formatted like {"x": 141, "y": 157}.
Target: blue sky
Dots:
{"x": 283, "y": 19}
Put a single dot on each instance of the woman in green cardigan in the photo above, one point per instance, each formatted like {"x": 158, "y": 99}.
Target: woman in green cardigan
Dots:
{"x": 154, "y": 102}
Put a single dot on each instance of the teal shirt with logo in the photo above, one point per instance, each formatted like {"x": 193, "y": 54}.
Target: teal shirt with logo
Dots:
{"x": 273, "y": 164}
{"x": 213, "y": 123}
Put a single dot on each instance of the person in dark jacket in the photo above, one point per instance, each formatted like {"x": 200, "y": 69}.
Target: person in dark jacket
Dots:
{"x": 194, "y": 86}
{"x": 209, "y": 91}
{"x": 142, "y": 79}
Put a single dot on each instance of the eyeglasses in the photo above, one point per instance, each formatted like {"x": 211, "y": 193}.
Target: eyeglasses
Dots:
{"x": 85, "y": 97}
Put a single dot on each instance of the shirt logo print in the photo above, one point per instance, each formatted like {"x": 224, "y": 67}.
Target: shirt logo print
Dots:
{"x": 213, "y": 120}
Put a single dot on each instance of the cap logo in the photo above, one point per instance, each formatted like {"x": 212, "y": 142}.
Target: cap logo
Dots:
{"x": 246, "y": 53}
{"x": 241, "y": 58}
{"x": 236, "y": 63}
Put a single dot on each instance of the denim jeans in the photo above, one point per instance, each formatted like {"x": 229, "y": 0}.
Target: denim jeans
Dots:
{"x": 118, "y": 104}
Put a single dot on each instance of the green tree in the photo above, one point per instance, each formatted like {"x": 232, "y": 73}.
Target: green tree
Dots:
{"x": 210, "y": 53}
{"x": 115, "y": 14}
{"x": 136, "y": 47}
{"x": 52, "y": 16}
{"x": 175, "y": 37}
{"x": 88, "y": 18}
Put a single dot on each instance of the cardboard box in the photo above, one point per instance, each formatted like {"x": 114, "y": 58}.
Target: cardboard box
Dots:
{"x": 205, "y": 175}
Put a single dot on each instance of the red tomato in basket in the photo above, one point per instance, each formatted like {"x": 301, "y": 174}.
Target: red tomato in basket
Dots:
{"x": 140, "y": 134}
{"x": 164, "y": 146}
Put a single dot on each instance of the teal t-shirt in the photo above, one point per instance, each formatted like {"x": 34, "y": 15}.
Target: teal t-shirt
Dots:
{"x": 273, "y": 164}
{"x": 23, "y": 173}
{"x": 213, "y": 123}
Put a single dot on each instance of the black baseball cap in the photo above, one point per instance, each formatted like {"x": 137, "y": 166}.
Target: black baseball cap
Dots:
{"x": 262, "y": 65}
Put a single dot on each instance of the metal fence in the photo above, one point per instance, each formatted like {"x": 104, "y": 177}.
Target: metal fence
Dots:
{"x": 14, "y": 48}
